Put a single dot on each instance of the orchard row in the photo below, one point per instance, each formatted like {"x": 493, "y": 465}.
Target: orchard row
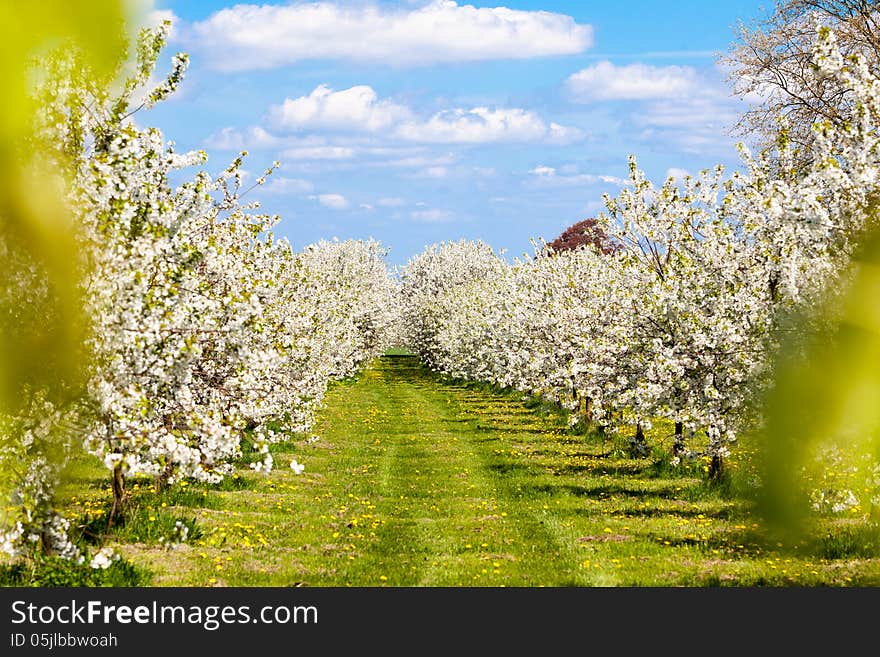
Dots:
{"x": 205, "y": 337}
{"x": 682, "y": 294}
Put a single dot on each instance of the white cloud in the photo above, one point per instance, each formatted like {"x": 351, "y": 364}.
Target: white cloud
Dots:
{"x": 605, "y": 81}
{"x": 547, "y": 177}
{"x": 560, "y": 134}
{"x": 332, "y": 201}
{"x": 319, "y": 153}
{"x": 430, "y": 216}
{"x": 696, "y": 113}
{"x": 247, "y": 36}
{"x": 482, "y": 125}
{"x": 417, "y": 161}
{"x": 232, "y": 139}
{"x": 282, "y": 185}
{"x": 678, "y": 174}
{"x": 680, "y": 107}
{"x": 391, "y": 202}
{"x": 431, "y": 172}
{"x": 357, "y": 109}
{"x": 308, "y": 153}
{"x": 696, "y": 125}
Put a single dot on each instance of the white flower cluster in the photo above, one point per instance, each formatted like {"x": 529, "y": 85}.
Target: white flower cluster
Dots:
{"x": 178, "y": 536}
{"x": 104, "y": 558}
{"x": 681, "y": 319}
{"x": 833, "y": 501}
{"x": 33, "y": 448}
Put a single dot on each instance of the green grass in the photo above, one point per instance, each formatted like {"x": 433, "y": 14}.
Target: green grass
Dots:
{"x": 54, "y": 571}
{"x": 398, "y": 351}
{"x": 420, "y": 481}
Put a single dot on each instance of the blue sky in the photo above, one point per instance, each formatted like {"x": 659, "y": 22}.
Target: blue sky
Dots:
{"x": 418, "y": 122}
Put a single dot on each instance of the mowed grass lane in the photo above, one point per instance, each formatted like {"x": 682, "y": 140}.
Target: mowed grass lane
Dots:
{"x": 417, "y": 481}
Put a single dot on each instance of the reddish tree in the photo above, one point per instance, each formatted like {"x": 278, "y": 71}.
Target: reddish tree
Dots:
{"x": 586, "y": 232}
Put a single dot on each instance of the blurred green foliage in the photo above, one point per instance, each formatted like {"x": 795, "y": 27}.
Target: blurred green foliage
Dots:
{"x": 41, "y": 328}
{"x": 34, "y": 222}
{"x": 822, "y": 435}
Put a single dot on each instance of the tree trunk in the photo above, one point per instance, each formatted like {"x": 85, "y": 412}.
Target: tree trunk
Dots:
{"x": 678, "y": 441}
{"x": 716, "y": 467}
{"x": 637, "y": 444}
{"x": 164, "y": 477}
{"x": 588, "y": 410}
{"x": 46, "y": 546}
{"x": 118, "y": 493}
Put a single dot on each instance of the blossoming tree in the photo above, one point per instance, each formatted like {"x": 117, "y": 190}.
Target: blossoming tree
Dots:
{"x": 208, "y": 337}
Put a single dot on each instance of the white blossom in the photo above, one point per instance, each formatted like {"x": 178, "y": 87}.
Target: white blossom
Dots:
{"x": 104, "y": 558}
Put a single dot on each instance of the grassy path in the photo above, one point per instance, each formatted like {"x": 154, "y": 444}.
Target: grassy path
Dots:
{"x": 448, "y": 514}
{"x": 413, "y": 481}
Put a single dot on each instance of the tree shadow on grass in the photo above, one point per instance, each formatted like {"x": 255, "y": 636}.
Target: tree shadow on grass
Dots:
{"x": 726, "y": 513}
{"x": 572, "y": 455}
{"x": 615, "y": 470}
{"x": 602, "y": 491}
{"x": 503, "y": 428}
{"x": 507, "y": 468}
